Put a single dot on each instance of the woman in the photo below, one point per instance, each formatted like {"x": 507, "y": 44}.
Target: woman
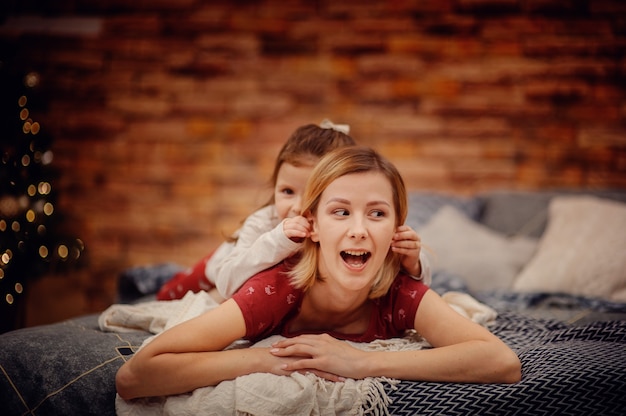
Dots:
{"x": 346, "y": 284}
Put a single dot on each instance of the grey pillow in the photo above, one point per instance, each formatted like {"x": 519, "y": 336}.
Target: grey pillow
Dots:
{"x": 423, "y": 205}
{"x": 525, "y": 213}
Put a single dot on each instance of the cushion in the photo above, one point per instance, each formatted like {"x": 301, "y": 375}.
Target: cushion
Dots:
{"x": 485, "y": 259}
{"x": 526, "y": 212}
{"x": 582, "y": 251}
{"x": 423, "y": 205}
{"x": 516, "y": 212}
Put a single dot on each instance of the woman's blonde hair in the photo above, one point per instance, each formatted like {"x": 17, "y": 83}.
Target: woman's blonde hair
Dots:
{"x": 338, "y": 163}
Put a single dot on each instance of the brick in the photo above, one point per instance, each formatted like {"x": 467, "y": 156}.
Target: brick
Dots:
{"x": 547, "y": 46}
{"x": 241, "y": 45}
{"x": 434, "y": 46}
{"x": 602, "y": 137}
{"x": 384, "y": 65}
{"x": 139, "y": 105}
{"x": 136, "y": 25}
{"x": 488, "y": 5}
{"x": 352, "y": 44}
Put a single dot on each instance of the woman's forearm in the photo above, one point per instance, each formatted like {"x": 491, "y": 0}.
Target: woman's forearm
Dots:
{"x": 176, "y": 373}
{"x": 469, "y": 362}
{"x": 192, "y": 355}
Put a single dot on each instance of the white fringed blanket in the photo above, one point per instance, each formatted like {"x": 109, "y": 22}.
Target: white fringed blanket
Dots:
{"x": 262, "y": 393}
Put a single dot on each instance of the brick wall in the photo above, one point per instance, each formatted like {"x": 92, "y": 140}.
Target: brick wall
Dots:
{"x": 167, "y": 114}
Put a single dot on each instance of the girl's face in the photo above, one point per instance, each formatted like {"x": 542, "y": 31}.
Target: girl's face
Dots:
{"x": 290, "y": 183}
{"x": 354, "y": 225}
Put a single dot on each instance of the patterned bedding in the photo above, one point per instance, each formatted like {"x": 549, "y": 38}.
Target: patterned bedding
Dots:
{"x": 576, "y": 368}
{"x": 567, "y": 370}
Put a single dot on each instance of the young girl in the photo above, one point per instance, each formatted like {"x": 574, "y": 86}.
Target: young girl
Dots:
{"x": 277, "y": 230}
{"x": 346, "y": 285}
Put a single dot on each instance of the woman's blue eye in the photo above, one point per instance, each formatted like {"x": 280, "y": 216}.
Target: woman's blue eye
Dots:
{"x": 287, "y": 191}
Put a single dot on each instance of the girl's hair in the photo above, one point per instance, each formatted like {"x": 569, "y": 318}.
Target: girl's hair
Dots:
{"x": 338, "y": 163}
{"x": 306, "y": 146}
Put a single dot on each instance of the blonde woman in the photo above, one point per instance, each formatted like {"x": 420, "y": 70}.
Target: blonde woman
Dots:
{"x": 346, "y": 284}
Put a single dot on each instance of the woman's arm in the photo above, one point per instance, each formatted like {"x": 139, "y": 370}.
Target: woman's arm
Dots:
{"x": 189, "y": 356}
{"x": 463, "y": 352}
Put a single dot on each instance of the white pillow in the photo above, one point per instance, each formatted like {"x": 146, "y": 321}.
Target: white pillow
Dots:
{"x": 484, "y": 258}
{"x": 582, "y": 251}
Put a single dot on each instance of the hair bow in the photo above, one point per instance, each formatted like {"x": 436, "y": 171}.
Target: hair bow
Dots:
{"x": 342, "y": 128}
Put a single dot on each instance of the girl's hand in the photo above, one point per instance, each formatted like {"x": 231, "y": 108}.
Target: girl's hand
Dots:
{"x": 407, "y": 243}
{"x": 297, "y": 228}
{"x": 322, "y": 355}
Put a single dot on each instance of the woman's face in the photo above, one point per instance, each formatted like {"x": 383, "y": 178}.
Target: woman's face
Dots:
{"x": 354, "y": 226}
{"x": 289, "y": 188}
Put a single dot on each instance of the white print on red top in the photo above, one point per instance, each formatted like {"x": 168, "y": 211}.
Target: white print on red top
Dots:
{"x": 401, "y": 314}
{"x": 291, "y": 298}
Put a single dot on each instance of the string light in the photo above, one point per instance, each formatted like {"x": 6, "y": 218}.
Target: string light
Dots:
{"x": 44, "y": 188}
{"x": 6, "y": 257}
{"x": 29, "y": 233}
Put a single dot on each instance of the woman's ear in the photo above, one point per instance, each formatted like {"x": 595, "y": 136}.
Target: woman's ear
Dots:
{"x": 313, "y": 235}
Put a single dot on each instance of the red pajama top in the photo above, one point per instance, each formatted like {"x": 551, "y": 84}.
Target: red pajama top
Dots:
{"x": 269, "y": 303}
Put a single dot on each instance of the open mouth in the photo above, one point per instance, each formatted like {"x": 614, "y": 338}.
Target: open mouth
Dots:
{"x": 355, "y": 258}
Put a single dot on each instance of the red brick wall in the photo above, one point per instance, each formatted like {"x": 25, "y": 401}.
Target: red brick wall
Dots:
{"x": 167, "y": 114}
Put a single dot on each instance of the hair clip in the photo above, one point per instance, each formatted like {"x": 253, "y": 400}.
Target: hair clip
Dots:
{"x": 342, "y": 128}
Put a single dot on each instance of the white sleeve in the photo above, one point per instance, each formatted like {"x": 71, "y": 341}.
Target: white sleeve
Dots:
{"x": 258, "y": 246}
{"x": 426, "y": 276}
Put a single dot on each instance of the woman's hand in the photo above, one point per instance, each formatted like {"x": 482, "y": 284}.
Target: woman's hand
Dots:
{"x": 321, "y": 355}
{"x": 407, "y": 243}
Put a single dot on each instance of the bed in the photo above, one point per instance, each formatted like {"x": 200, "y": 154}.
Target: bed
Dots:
{"x": 551, "y": 264}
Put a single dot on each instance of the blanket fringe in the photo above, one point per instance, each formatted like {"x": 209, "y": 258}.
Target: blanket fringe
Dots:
{"x": 375, "y": 400}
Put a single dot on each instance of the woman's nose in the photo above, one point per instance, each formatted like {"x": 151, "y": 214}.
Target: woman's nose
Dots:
{"x": 357, "y": 230}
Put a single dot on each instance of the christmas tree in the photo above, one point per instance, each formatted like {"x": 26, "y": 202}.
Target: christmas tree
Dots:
{"x": 32, "y": 241}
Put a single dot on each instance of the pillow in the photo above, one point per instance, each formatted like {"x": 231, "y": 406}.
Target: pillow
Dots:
{"x": 516, "y": 212}
{"x": 582, "y": 252}
{"x": 484, "y": 258}
{"x": 526, "y": 212}
{"x": 423, "y": 205}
